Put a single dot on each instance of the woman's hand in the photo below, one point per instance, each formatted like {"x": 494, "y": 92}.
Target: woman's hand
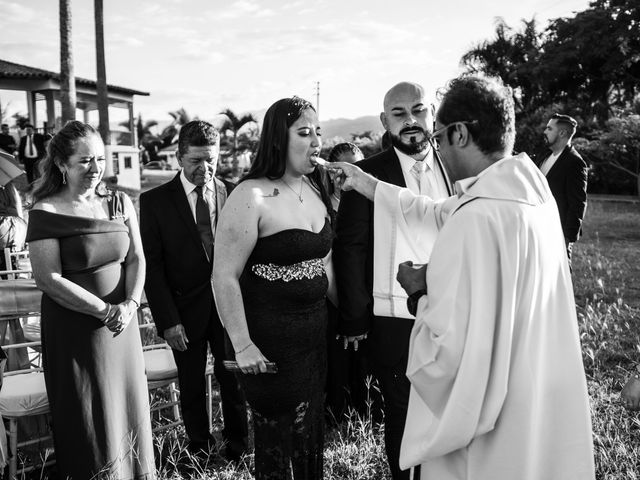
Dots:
{"x": 119, "y": 316}
{"x": 111, "y": 317}
{"x": 250, "y": 360}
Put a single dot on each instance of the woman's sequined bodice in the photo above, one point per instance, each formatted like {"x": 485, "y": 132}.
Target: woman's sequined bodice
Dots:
{"x": 286, "y": 270}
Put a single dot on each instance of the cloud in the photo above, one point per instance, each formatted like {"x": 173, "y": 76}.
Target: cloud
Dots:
{"x": 198, "y": 49}
{"x": 244, "y": 8}
{"x": 18, "y": 13}
{"x": 132, "y": 42}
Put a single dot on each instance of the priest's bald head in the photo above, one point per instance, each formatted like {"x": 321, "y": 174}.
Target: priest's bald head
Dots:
{"x": 475, "y": 125}
{"x": 408, "y": 118}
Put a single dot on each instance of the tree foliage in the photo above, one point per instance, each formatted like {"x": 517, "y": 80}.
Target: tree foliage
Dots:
{"x": 587, "y": 66}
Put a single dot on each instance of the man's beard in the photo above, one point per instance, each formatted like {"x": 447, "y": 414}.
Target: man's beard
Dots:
{"x": 410, "y": 148}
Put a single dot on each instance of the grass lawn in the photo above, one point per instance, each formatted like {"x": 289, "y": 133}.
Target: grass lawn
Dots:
{"x": 607, "y": 288}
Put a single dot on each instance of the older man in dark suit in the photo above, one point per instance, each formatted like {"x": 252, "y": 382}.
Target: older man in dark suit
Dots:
{"x": 30, "y": 151}
{"x": 177, "y": 223}
{"x": 566, "y": 173}
{"x": 372, "y": 303}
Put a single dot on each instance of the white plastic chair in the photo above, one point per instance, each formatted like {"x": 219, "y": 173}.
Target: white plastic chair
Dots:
{"x": 22, "y": 261}
{"x": 161, "y": 371}
{"x": 23, "y": 394}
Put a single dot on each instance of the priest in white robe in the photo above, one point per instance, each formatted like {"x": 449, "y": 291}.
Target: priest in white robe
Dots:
{"x": 498, "y": 385}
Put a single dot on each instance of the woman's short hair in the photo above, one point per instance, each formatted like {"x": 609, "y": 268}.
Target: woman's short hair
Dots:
{"x": 62, "y": 146}
{"x": 345, "y": 147}
{"x": 486, "y": 105}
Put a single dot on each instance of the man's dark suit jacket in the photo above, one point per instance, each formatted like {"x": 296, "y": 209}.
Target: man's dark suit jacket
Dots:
{"x": 353, "y": 264}
{"x": 568, "y": 182}
{"x": 38, "y": 142}
{"x": 178, "y": 284}
{"x": 7, "y": 143}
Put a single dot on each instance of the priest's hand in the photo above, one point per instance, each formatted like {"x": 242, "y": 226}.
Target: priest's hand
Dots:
{"x": 630, "y": 394}
{"x": 412, "y": 277}
{"x": 349, "y": 177}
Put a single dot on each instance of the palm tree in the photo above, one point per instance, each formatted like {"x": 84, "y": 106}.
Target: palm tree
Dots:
{"x": 235, "y": 123}
{"x": 4, "y": 111}
{"x": 67, "y": 77}
{"x": 149, "y": 142}
{"x": 143, "y": 128}
{"x": 169, "y": 133}
{"x": 103, "y": 93}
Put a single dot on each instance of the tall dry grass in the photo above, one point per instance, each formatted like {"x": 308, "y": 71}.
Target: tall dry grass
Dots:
{"x": 607, "y": 288}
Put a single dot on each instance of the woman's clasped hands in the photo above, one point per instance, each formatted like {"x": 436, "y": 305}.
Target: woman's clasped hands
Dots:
{"x": 117, "y": 316}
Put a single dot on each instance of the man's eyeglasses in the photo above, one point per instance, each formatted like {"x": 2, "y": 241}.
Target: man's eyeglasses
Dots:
{"x": 435, "y": 136}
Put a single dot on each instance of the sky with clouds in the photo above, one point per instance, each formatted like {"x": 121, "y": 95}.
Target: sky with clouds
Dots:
{"x": 207, "y": 55}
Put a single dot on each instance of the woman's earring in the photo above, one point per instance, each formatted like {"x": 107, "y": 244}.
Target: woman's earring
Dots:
{"x": 64, "y": 177}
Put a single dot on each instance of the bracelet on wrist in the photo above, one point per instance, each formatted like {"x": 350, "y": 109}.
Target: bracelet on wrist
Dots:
{"x": 106, "y": 315}
{"x": 134, "y": 301}
{"x": 238, "y": 352}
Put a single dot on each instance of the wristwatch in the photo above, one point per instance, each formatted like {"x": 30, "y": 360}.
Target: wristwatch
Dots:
{"x": 412, "y": 301}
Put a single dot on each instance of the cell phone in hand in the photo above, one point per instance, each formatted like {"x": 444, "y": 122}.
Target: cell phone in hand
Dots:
{"x": 232, "y": 366}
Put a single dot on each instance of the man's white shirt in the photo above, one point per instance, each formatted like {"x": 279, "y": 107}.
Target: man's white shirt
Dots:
{"x": 429, "y": 170}
{"x": 549, "y": 162}
{"x": 30, "y": 150}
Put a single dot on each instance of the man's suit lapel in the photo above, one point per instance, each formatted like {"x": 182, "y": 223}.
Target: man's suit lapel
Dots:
{"x": 392, "y": 169}
{"x": 180, "y": 202}
{"x": 438, "y": 162}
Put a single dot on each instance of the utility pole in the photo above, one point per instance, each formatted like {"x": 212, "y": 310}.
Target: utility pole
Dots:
{"x": 318, "y": 99}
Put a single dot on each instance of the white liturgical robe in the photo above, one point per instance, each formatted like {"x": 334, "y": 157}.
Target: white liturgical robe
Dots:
{"x": 498, "y": 385}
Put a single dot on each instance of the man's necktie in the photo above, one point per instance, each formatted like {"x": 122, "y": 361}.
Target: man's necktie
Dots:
{"x": 418, "y": 174}
{"x": 30, "y": 138}
{"x": 426, "y": 179}
{"x": 203, "y": 222}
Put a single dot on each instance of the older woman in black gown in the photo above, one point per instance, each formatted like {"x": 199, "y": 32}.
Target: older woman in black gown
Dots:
{"x": 270, "y": 280}
{"x": 87, "y": 259}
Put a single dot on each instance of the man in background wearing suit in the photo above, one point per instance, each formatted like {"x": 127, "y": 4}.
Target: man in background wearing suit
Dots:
{"x": 7, "y": 142}
{"x": 366, "y": 254}
{"x": 177, "y": 223}
{"x": 30, "y": 151}
{"x": 566, "y": 173}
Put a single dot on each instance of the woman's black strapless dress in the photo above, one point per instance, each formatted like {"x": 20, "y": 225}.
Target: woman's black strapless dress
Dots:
{"x": 283, "y": 288}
